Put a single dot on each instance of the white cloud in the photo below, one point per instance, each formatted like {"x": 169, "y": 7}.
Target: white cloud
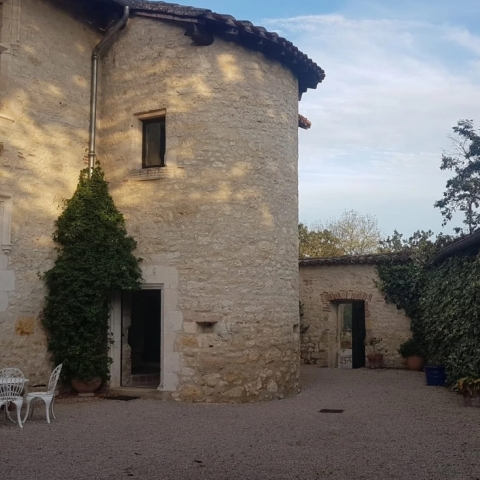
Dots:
{"x": 393, "y": 91}
{"x": 465, "y": 39}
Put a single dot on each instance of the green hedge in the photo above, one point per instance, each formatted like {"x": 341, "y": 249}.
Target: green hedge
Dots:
{"x": 449, "y": 315}
{"x": 443, "y": 303}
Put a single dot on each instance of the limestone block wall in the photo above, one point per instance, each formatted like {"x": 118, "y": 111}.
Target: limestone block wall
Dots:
{"x": 322, "y": 288}
{"x": 222, "y": 214}
{"x": 44, "y": 107}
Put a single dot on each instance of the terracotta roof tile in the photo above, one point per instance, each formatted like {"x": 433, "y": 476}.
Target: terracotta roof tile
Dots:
{"x": 375, "y": 258}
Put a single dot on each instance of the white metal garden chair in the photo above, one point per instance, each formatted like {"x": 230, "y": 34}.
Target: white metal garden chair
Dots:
{"x": 12, "y": 383}
{"x": 48, "y": 397}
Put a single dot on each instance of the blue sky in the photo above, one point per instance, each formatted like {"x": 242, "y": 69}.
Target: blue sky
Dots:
{"x": 399, "y": 74}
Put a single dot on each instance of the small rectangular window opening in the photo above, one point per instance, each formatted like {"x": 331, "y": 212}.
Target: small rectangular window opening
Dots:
{"x": 153, "y": 142}
{"x": 206, "y": 327}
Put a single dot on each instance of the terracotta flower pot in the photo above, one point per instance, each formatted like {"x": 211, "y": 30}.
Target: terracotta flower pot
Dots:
{"x": 375, "y": 361}
{"x": 83, "y": 387}
{"x": 414, "y": 363}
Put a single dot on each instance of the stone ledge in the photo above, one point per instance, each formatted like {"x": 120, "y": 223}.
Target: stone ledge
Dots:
{"x": 155, "y": 173}
{"x": 141, "y": 392}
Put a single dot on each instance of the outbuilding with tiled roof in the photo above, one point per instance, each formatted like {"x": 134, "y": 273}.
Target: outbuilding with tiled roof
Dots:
{"x": 342, "y": 307}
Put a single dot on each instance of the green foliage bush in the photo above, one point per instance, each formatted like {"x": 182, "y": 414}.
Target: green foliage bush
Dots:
{"x": 411, "y": 348}
{"x": 94, "y": 258}
{"x": 443, "y": 303}
{"x": 449, "y": 315}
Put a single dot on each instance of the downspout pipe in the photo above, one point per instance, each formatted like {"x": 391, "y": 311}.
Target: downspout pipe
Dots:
{"x": 97, "y": 53}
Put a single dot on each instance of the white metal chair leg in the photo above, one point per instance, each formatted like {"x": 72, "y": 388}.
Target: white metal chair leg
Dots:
{"x": 48, "y": 403}
{"x": 8, "y": 413}
{"x": 18, "y": 405}
{"x": 53, "y": 401}
{"x": 27, "y": 400}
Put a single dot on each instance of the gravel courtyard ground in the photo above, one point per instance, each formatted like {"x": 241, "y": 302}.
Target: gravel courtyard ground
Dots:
{"x": 393, "y": 427}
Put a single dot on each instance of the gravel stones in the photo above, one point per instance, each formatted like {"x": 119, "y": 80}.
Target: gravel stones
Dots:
{"x": 393, "y": 427}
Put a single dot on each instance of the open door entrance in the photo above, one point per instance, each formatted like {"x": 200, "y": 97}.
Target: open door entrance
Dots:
{"x": 141, "y": 330}
{"x": 358, "y": 334}
{"x": 351, "y": 321}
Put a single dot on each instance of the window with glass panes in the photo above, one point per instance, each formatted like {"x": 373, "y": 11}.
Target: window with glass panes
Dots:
{"x": 153, "y": 142}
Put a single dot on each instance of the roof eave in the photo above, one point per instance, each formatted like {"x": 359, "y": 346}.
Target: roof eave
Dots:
{"x": 368, "y": 259}
{"x": 456, "y": 247}
{"x": 255, "y": 38}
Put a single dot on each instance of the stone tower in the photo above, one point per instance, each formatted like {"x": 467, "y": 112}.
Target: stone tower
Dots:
{"x": 215, "y": 219}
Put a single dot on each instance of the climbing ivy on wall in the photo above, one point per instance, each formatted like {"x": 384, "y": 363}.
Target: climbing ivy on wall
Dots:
{"x": 449, "y": 315}
{"x": 402, "y": 284}
{"x": 95, "y": 257}
{"x": 443, "y": 303}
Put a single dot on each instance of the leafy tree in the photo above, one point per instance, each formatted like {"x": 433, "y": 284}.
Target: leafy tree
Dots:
{"x": 317, "y": 243}
{"x": 419, "y": 243}
{"x": 357, "y": 233}
{"x": 94, "y": 258}
{"x": 463, "y": 189}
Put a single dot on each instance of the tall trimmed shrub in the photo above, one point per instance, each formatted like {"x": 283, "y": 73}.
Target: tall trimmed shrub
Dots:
{"x": 95, "y": 258}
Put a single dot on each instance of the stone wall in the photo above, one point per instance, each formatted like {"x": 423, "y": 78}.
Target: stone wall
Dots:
{"x": 322, "y": 288}
{"x": 222, "y": 214}
{"x": 217, "y": 227}
{"x": 44, "y": 108}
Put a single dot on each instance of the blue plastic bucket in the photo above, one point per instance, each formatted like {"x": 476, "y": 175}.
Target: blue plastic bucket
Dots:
{"x": 435, "y": 375}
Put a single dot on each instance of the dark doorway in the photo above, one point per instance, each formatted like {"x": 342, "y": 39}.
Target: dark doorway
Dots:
{"x": 141, "y": 339}
{"x": 358, "y": 334}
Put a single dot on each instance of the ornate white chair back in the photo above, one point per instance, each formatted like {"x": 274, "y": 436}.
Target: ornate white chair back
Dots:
{"x": 52, "y": 383}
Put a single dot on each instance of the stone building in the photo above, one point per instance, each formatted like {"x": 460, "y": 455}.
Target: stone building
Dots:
{"x": 197, "y": 117}
{"x": 342, "y": 307}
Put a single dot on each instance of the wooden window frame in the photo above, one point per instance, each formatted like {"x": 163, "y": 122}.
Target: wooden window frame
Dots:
{"x": 162, "y": 153}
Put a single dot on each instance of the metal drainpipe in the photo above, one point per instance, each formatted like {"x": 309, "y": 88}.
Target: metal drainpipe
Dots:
{"x": 97, "y": 52}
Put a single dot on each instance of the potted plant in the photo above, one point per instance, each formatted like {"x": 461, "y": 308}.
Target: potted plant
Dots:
{"x": 469, "y": 388}
{"x": 434, "y": 372}
{"x": 375, "y": 359}
{"x": 413, "y": 354}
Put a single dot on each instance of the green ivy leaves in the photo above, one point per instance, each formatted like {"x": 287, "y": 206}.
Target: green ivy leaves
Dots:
{"x": 95, "y": 257}
{"x": 443, "y": 303}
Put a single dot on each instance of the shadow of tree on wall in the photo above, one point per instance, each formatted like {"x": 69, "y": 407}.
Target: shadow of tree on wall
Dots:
{"x": 228, "y": 131}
